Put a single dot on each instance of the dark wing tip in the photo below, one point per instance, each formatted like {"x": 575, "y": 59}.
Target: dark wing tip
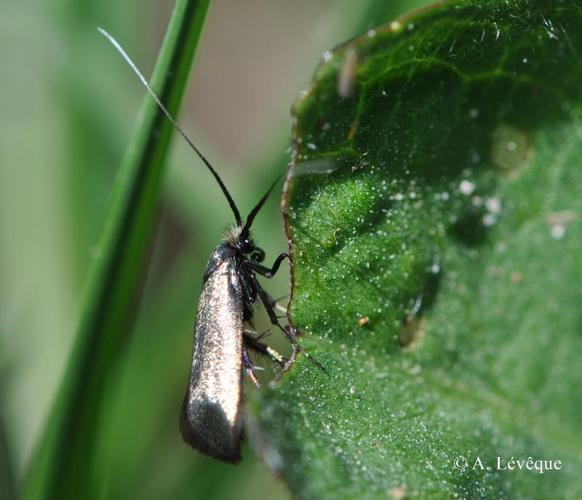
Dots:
{"x": 203, "y": 438}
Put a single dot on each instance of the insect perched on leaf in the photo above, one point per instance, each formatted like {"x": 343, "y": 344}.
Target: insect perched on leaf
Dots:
{"x": 211, "y": 419}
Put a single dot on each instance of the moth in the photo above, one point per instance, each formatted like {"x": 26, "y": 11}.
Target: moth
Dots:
{"x": 212, "y": 419}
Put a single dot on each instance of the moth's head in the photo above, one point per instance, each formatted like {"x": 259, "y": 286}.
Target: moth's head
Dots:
{"x": 240, "y": 238}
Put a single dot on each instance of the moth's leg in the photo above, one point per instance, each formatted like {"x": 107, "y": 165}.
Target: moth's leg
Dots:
{"x": 266, "y": 300}
{"x": 248, "y": 367}
{"x": 276, "y": 305}
{"x": 264, "y": 270}
{"x": 265, "y": 350}
{"x": 257, "y": 335}
{"x": 269, "y": 273}
{"x": 416, "y": 307}
{"x": 287, "y": 331}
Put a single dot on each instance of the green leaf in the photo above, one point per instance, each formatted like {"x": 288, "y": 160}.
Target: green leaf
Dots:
{"x": 434, "y": 215}
{"x": 64, "y": 465}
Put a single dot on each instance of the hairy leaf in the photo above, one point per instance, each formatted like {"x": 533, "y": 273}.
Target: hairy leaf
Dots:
{"x": 434, "y": 215}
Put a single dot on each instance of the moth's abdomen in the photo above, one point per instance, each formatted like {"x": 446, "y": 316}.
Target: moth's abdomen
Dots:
{"x": 211, "y": 417}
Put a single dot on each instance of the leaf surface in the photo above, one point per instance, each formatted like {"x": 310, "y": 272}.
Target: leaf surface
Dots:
{"x": 434, "y": 215}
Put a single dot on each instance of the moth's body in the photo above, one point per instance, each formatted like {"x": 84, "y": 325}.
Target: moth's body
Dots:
{"x": 211, "y": 418}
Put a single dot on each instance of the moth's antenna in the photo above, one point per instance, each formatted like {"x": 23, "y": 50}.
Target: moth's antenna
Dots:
{"x": 131, "y": 64}
{"x": 257, "y": 208}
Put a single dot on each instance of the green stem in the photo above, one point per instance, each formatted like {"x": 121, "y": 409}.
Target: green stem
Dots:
{"x": 64, "y": 464}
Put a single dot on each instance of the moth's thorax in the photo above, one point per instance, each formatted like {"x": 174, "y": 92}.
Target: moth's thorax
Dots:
{"x": 221, "y": 253}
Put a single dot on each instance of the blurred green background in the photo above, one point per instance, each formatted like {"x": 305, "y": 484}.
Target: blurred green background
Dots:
{"x": 68, "y": 107}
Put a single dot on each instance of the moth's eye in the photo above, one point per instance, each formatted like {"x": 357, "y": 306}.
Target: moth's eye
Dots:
{"x": 258, "y": 255}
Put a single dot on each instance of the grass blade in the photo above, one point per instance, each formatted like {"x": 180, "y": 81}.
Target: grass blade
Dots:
{"x": 63, "y": 465}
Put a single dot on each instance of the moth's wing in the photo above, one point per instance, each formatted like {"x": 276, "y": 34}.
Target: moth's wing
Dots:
{"x": 211, "y": 418}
